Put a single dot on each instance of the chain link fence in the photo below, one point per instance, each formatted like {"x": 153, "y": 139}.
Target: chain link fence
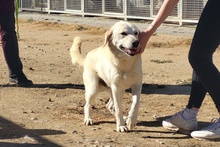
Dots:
{"x": 186, "y": 11}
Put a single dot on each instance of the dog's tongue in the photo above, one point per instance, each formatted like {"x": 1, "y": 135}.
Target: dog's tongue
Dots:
{"x": 130, "y": 51}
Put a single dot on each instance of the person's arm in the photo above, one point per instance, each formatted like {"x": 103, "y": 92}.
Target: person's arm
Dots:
{"x": 166, "y": 8}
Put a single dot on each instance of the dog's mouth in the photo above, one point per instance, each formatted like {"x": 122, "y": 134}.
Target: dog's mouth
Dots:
{"x": 128, "y": 51}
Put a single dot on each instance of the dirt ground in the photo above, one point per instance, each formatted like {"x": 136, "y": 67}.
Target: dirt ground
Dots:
{"x": 51, "y": 112}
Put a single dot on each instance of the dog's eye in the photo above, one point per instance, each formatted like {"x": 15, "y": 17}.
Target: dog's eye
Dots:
{"x": 135, "y": 33}
{"x": 124, "y": 34}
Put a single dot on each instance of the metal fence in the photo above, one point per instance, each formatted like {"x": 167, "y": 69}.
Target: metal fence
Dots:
{"x": 186, "y": 11}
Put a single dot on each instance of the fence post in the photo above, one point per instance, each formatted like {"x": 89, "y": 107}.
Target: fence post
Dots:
{"x": 125, "y": 9}
{"x": 48, "y": 6}
{"x": 180, "y": 12}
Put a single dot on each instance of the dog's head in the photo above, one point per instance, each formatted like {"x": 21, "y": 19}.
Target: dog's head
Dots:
{"x": 124, "y": 36}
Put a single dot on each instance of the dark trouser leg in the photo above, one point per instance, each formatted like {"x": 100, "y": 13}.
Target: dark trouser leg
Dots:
{"x": 205, "y": 42}
{"x": 197, "y": 94}
{"x": 10, "y": 44}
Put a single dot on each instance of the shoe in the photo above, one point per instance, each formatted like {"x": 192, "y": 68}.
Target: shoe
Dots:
{"x": 21, "y": 81}
{"x": 178, "y": 123}
{"x": 212, "y": 132}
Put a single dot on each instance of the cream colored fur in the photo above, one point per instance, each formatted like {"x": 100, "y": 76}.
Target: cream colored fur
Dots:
{"x": 112, "y": 67}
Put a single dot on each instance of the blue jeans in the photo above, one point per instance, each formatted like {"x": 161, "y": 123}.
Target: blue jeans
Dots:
{"x": 206, "y": 77}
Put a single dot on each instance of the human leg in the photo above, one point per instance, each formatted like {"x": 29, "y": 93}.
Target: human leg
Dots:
{"x": 10, "y": 49}
{"x": 10, "y": 44}
{"x": 205, "y": 42}
{"x": 197, "y": 94}
{"x": 185, "y": 121}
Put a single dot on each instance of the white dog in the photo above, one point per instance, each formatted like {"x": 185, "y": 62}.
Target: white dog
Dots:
{"x": 113, "y": 67}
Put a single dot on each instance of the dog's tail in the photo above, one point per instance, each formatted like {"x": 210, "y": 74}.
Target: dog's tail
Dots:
{"x": 75, "y": 52}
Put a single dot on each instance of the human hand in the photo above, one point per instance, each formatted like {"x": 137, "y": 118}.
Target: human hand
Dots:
{"x": 143, "y": 39}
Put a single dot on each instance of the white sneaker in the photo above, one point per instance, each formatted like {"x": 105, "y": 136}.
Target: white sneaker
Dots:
{"x": 212, "y": 132}
{"x": 178, "y": 123}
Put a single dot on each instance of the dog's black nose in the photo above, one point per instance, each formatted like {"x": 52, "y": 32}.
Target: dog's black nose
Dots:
{"x": 135, "y": 44}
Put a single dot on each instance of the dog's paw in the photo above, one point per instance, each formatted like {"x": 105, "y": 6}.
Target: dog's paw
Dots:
{"x": 131, "y": 123}
{"x": 88, "y": 122}
{"x": 111, "y": 110}
{"x": 122, "y": 129}
{"x": 110, "y": 106}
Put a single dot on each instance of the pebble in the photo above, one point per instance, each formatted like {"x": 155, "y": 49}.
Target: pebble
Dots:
{"x": 74, "y": 132}
{"x": 30, "y": 138}
{"x": 158, "y": 141}
{"x": 34, "y": 118}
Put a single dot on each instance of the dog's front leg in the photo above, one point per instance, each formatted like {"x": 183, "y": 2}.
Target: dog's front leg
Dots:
{"x": 89, "y": 95}
{"x": 117, "y": 98}
{"x": 133, "y": 113}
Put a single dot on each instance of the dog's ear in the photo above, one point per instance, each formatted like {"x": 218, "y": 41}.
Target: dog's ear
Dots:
{"x": 108, "y": 35}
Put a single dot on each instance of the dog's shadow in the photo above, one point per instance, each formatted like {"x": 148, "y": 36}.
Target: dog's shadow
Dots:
{"x": 165, "y": 89}
{"x": 146, "y": 88}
